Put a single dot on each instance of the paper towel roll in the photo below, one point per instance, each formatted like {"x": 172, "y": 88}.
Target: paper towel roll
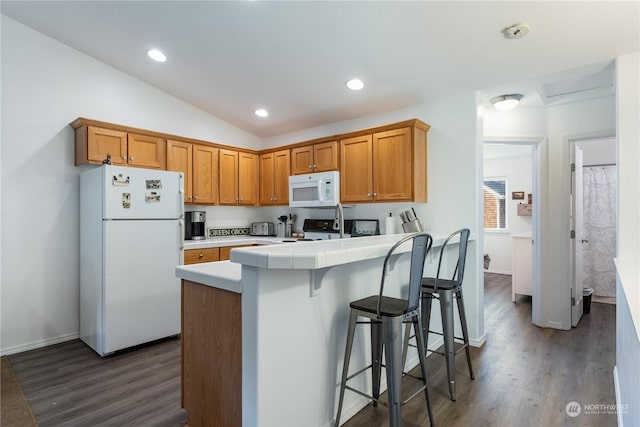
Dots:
{"x": 390, "y": 225}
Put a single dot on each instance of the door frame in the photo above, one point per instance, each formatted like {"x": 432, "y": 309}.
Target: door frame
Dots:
{"x": 538, "y": 170}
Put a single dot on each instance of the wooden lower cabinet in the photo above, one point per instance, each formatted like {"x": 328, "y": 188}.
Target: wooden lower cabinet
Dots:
{"x": 195, "y": 256}
{"x": 225, "y": 251}
{"x": 211, "y": 355}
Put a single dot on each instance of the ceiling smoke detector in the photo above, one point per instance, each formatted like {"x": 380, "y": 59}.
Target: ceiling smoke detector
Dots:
{"x": 516, "y": 31}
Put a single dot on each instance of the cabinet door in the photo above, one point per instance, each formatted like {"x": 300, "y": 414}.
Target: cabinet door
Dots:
{"x": 356, "y": 169}
{"x": 282, "y": 170}
{"x": 267, "y": 165}
{"x": 225, "y": 251}
{"x": 325, "y": 156}
{"x": 180, "y": 159}
{"x": 228, "y": 177}
{"x": 302, "y": 160}
{"x": 392, "y": 165}
{"x": 205, "y": 174}
{"x": 146, "y": 151}
{"x": 248, "y": 179}
{"x": 101, "y": 142}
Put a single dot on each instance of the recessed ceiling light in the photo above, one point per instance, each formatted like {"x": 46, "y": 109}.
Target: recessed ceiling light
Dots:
{"x": 355, "y": 84}
{"x": 261, "y": 112}
{"x": 156, "y": 55}
{"x": 506, "y": 102}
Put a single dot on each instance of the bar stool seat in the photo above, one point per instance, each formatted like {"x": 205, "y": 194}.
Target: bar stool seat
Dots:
{"x": 387, "y": 315}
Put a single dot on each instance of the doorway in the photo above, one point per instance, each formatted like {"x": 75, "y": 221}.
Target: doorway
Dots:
{"x": 593, "y": 223}
{"x": 514, "y": 163}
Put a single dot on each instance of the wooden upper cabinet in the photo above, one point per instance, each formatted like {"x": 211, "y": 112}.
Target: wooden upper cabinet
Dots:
{"x": 145, "y": 151}
{"x": 392, "y": 165}
{"x": 94, "y": 143}
{"x": 325, "y": 156}
{"x": 180, "y": 159}
{"x": 274, "y": 178}
{"x": 386, "y": 166}
{"x": 356, "y": 169}
{"x": 248, "y": 179}
{"x": 228, "y": 177}
{"x": 199, "y": 164}
{"x": 238, "y": 178}
{"x": 319, "y": 157}
{"x": 205, "y": 174}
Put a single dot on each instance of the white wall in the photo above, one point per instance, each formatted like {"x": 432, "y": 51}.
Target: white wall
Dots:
{"x": 45, "y": 86}
{"x": 628, "y": 239}
{"x": 601, "y": 151}
{"x": 517, "y": 171}
{"x": 557, "y": 124}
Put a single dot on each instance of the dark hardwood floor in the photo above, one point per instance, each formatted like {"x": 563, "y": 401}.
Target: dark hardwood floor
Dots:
{"x": 525, "y": 376}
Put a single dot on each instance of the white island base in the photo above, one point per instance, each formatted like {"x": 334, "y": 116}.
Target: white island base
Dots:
{"x": 264, "y": 335}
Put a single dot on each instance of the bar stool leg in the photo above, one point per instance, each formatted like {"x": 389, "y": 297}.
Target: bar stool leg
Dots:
{"x": 376, "y": 358}
{"x": 446, "y": 311}
{"x": 427, "y": 300}
{"x": 347, "y": 356}
{"x": 393, "y": 351}
{"x": 422, "y": 356}
{"x": 465, "y": 333}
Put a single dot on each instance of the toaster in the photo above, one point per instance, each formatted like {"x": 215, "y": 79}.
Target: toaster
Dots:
{"x": 263, "y": 229}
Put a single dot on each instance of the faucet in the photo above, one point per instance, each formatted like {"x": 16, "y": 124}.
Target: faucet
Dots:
{"x": 338, "y": 224}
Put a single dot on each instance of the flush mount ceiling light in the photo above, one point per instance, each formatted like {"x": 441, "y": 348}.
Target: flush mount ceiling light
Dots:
{"x": 156, "y": 55}
{"x": 355, "y": 84}
{"x": 506, "y": 102}
{"x": 261, "y": 112}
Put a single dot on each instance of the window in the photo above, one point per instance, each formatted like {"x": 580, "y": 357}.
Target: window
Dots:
{"x": 495, "y": 209}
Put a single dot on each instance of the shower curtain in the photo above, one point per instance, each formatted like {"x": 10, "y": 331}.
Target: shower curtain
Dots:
{"x": 599, "y": 189}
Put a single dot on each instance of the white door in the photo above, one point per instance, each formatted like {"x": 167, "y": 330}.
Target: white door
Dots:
{"x": 142, "y": 193}
{"x": 577, "y": 239}
{"x": 141, "y": 290}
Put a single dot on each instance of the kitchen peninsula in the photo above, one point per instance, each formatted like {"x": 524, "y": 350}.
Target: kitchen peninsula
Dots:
{"x": 263, "y": 336}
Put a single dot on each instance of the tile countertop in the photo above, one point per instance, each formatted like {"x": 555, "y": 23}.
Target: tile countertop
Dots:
{"x": 322, "y": 253}
{"x": 231, "y": 241}
{"x": 307, "y": 255}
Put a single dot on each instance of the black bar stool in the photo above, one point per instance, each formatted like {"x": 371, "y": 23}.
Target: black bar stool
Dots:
{"x": 387, "y": 315}
{"x": 445, "y": 291}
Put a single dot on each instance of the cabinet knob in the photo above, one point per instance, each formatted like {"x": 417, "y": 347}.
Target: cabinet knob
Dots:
{"x": 190, "y": 198}
{"x": 201, "y": 255}
{"x": 368, "y": 194}
{"x": 315, "y": 166}
{"x": 310, "y": 166}
{"x": 124, "y": 157}
{"x": 195, "y": 197}
{"x": 131, "y": 158}
{"x": 375, "y": 194}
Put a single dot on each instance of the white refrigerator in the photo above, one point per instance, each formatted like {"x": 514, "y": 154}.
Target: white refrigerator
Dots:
{"x": 131, "y": 240}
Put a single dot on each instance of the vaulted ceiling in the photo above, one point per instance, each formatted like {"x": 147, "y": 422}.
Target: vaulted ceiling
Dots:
{"x": 293, "y": 58}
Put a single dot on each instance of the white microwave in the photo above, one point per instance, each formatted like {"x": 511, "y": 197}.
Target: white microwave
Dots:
{"x": 314, "y": 190}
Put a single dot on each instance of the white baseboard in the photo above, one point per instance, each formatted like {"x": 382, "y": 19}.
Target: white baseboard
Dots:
{"x": 616, "y": 386}
{"x": 478, "y": 342}
{"x": 39, "y": 344}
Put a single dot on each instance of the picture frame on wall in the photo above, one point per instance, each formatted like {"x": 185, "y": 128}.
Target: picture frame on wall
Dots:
{"x": 517, "y": 195}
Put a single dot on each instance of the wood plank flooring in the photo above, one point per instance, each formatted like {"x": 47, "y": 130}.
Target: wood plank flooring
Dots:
{"x": 525, "y": 376}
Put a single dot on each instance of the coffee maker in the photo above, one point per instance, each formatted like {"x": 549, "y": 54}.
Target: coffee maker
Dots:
{"x": 194, "y": 225}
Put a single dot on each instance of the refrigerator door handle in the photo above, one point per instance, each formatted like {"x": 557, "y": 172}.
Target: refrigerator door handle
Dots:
{"x": 180, "y": 235}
